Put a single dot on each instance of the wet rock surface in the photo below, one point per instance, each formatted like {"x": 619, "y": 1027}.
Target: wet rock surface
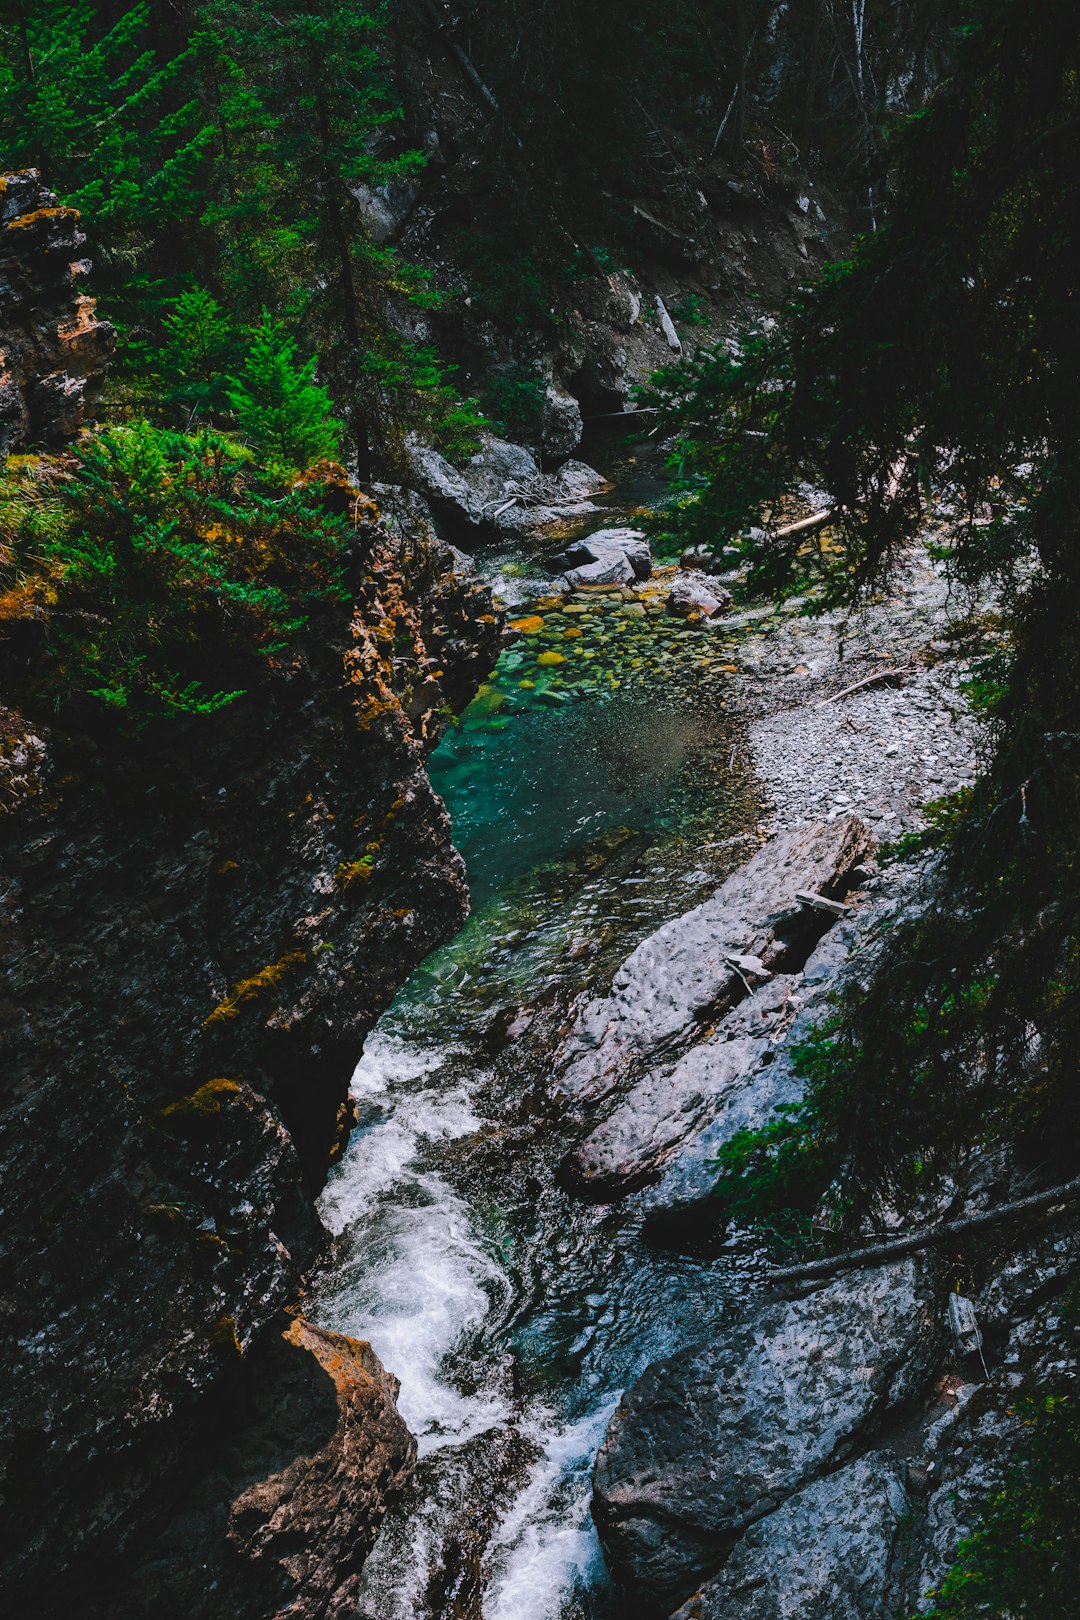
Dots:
{"x": 719, "y": 1435}
{"x": 834, "y": 1551}
{"x": 690, "y": 971}
{"x": 657, "y": 1114}
{"x": 759, "y": 1078}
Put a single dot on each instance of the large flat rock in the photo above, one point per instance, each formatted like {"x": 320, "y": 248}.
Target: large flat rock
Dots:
{"x": 680, "y": 1180}
{"x": 719, "y": 1435}
{"x": 682, "y": 977}
{"x": 832, "y": 1552}
{"x": 673, "y": 1103}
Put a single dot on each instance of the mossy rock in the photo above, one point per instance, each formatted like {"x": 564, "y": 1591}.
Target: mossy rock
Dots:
{"x": 210, "y": 1099}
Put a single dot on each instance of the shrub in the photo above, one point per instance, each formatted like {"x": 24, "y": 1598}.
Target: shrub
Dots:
{"x": 1022, "y": 1559}
{"x": 153, "y": 573}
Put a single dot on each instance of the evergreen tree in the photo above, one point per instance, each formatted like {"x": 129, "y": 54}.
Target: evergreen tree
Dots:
{"x": 933, "y": 376}
{"x": 281, "y": 410}
{"x": 308, "y": 103}
{"x": 196, "y": 355}
{"x": 113, "y": 128}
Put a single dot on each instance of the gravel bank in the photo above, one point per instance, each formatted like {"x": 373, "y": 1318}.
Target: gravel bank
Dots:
{"x": 884, "y": 751}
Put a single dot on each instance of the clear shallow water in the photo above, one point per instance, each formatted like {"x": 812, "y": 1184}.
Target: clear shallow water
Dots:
{"x": 513, "y": 1315}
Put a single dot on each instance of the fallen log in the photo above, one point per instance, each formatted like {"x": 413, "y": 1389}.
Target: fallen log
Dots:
{"x": 814, "y": 521}
{"x": 925, "y": 1236}
{"x": 818, "y": 902}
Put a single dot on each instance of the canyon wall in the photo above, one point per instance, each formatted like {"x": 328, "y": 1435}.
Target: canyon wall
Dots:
{"x": 199, "y": 929}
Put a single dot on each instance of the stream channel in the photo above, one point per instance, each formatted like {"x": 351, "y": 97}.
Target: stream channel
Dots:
{"x": 597, "y": 786}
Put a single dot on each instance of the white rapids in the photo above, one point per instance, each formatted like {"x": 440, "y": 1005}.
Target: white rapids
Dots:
{"x": 415, "y": 1281}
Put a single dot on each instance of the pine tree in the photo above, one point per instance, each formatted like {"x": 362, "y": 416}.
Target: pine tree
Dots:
{"x": 197, "y": 353}
{"x": 928, "y": 387}
{"x": 306, "y": 114}
{"x": 281, "y": 410}
{"x": 114, "y": 130}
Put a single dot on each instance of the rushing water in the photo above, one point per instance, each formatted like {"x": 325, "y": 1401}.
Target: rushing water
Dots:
{"x": 592, "y": 797}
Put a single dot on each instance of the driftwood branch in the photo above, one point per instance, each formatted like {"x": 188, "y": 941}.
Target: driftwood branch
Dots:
{"x": 892, "y": 673}
{"x": 818, "y": 902}
{"x": 814, "y": 521}
{"x": 926, "y": 1235}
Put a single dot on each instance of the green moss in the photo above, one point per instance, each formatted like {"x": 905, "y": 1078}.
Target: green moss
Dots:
{"x": 211, "y": 1098}
{"x": 269, "y": 978}
{"x": 350, "y": 872}
{"x": 224, "y": 1340}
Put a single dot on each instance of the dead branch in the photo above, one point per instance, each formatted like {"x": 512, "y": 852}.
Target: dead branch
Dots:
{"x": 868, "y": 680}
{"x": 926, "y": 1235}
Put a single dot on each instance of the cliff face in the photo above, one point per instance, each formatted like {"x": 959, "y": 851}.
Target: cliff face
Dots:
{"x": 196, "y": 943}
{"x": 53, "y": 349}
{"x": 197, "y": 933}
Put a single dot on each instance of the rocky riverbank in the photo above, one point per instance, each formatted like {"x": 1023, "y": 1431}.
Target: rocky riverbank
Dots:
{"x": 823, "y": 1453}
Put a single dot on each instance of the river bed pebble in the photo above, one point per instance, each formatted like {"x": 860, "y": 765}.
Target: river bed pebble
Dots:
{"x": 884, "y": 751}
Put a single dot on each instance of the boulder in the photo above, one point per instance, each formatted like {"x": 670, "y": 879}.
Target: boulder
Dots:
{"x": 498, "y": 471}
{"x": 494, "y": 475}
{"x": 670, "y": 1104}
{"x": 502, "y": 486}
{"x": 385, "y": 209}
{"x": 433, "y": 477}
{"x": 577, "y": 481}
{"x": 606, "y": 547}
{"x": 560, "y": 422}
{"x": 719, "y": 1435}
{"x": 405, "y": 514}
{"x": 613, "y": 569}
{"x": 832, "y": 1552}
{"x": 683, "y": 1194}
{"x": 305, "y": 1530}
{"x": 697, "y": 596}
{"x": 705, "y": 560}
{"x": 682, "y": 978}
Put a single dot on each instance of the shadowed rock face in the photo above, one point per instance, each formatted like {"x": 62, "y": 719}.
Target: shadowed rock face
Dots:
{"x": 717, "y": 1436}
{"x": 197, "y": 935}
{"x": 290, "y": 1497}
{"x": 53, "y": 349}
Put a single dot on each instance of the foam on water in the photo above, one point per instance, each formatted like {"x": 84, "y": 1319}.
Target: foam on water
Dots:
{"x": 546, "y": 1546}
{"x": 417, "y": 1278}
{"x": 381, "y": 1152}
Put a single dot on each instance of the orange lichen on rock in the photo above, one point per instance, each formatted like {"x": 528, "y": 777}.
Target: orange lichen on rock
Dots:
{"x": 24, "y": 221}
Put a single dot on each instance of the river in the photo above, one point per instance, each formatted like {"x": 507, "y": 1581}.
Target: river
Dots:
{"x": 597, "y": 786}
